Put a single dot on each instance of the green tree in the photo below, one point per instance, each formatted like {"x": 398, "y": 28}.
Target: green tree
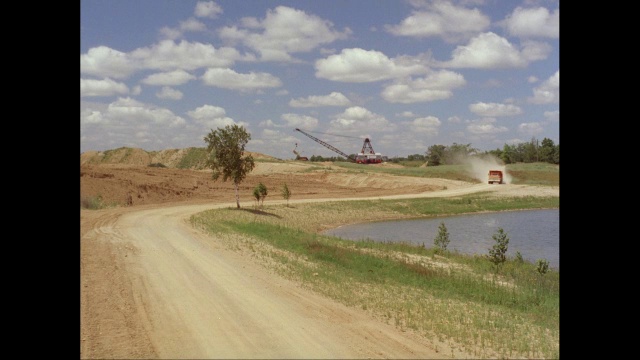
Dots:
{"x": 256, "y": 195}
{"x": 226, "y": 155}
{"x": 441, "y": 240}
{"x": 262, "y": 189}
{"x": 435, "y": 154}
{"x": 497, "y": 254}
{"x": 547, "y": 151}
{"x": 286, "y": 194}
{"x": 457, "y": 153}
{"x": 509, "y": 154}
{"x": 259, "y": 193}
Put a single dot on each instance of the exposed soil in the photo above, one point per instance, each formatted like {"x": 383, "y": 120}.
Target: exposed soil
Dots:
{"x": 153, "y": 287}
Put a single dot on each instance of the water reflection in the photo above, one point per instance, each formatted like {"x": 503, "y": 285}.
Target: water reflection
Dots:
{"x": 533, "y": 233}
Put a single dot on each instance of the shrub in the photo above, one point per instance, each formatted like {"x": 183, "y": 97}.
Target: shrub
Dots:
{"x": 441, "y": 240}
{"x": 542, "y": 266}
{"x": 260, "y": 192}
{"x": 92, "y": 202}
{"x": 519, "y": 257}
{"x": 286, "y": 194}
{"x": 497, "y": 254}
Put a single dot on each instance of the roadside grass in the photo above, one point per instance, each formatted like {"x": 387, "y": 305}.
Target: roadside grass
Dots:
{"x": 95, "y": 203}
{"x": 452, "y": 172}
{"x": 455, "y": 298}
{"x": 527, "y": 174}
{"x": 535, "y": 173}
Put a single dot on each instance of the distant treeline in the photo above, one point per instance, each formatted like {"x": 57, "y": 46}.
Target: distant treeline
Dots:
{"x": 528, "y": 152}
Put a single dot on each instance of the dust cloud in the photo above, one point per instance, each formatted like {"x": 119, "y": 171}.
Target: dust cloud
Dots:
{"x": 480, "y": 168}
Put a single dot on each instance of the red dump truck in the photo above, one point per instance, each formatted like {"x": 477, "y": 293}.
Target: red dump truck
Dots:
{"x": 495, "y": 176}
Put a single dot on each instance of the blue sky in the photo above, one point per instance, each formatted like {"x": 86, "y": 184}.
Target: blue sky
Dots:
{"x": 407, "y": 74}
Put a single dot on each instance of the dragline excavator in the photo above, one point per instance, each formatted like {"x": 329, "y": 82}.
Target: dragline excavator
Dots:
{"x": 365, "y": 156}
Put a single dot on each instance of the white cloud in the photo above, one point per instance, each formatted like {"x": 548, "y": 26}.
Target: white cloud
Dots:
{"x": 192, "y": 25}
{"x": 169, "y": 93}
{"x": 485, "y": 126}
{"x": 90, "y": 116}
{"x": 277, "y": 140}
{"x": 490, "y": 51}
{"x": 407, "y": 114}
{"x": 494, "y": 109}
{"x": 552, "y": 115}
{"x": 128, "y": 122}
{"x": 207, "y": 112}
{"x": 548, "y": 92}
{"x": 106, "y": 62}
{"x": 168, "y": 55}
{"x": 359, "y": 65}
{"x": 426, "y": 125}
{"x": 267, "y": 123}
{"x": 333, "y": 99}
{"x": 208, "y": 9}
{"x": 274, "y": 37}
{"x": 170, "y": 33}
{"x": 443, "y": 19}
{"x": 189, "y": 25}
{"x": 533, "y": 22}
{"x": 435, "y": 86}
{"x": 106, "y": 87}
{"x": 211, "y": 117}
{"x": 300, "y": 121}
{"x": 530, "y": 129}
{"x": 130, "y": 110}
{"x": 535, "y": 50}
{"x": 229, "y": 79}
{"x": 358, "y": 119}
{"x": 171, "y": 78}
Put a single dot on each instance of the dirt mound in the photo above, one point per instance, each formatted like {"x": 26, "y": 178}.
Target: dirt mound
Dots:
{"x": 188, "y": 158}
{"x": 129, "y": 156}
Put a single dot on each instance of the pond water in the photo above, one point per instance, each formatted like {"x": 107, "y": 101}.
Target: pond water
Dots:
{"x": 534, "y": 233}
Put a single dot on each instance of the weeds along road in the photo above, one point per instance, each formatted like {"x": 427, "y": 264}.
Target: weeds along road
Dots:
{"x": 154, "y": 287}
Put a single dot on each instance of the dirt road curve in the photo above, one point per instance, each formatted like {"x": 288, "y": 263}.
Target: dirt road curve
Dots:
{"x": 153, "y": 287}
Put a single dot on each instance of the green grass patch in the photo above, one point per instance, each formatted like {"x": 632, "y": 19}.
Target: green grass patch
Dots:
{"x": 527, "y": 174}
{"x": 109, "y": 155}
{"x": 535, "y": 173}
{"x": 194, "y": 158}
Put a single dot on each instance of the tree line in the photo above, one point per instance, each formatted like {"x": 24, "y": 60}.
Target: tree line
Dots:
{"x": 526, "y": 152}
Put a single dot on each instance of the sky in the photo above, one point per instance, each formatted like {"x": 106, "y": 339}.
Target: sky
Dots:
{"x": 407, "y": 74}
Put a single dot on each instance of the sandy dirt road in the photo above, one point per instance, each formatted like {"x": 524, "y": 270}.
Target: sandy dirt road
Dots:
{"x": 197, "y": 300}
{"x": 154, "y": 287}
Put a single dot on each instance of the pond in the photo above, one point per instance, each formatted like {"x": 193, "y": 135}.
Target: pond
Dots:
{"x": 533, "y": 233}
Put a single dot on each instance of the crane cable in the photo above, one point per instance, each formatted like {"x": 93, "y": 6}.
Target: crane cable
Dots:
{"x": 318, "y": 132}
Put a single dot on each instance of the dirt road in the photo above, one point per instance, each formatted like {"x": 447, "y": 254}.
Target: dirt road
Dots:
{"x": 154, "y": 287}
